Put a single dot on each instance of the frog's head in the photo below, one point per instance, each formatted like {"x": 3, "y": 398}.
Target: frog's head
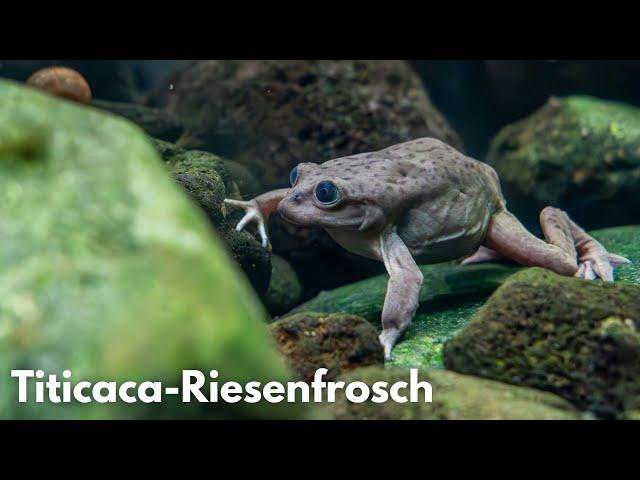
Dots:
{"x": 321, "y": 196}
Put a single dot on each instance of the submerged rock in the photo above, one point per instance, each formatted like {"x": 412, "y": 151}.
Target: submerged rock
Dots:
{"x": 156, "y": 123}
{"x": 284, "y": 290}
{"x": 455, "y": 397}
{"x": 208, "y": 180}
{"x": 108, "y": 270}
{"x": 337, "y": 342}
{"x": 450, "y": 294}
{"x": 624, "y": 241}
{"x": 578, "y": 153}
{"x": 572, "y": 337}
{"x": 300, "y": 110}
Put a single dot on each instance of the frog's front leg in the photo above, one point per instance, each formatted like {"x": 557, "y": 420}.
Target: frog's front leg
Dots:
{"x": 258, "y": 210}
{"x": 405, "y": 280}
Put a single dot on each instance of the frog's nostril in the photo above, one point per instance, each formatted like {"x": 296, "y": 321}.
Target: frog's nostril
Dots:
{"x": 297, "y": 196}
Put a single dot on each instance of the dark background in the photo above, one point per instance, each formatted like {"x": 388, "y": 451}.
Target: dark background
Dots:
{"x": 478, "y": 97}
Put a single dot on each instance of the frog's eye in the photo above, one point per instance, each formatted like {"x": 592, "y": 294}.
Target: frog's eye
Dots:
{"x": 327, "y": 193}
{"x": 293, "y": 176}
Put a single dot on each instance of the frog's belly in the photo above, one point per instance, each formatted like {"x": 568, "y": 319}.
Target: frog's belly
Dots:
{"x": 433, "y": 239}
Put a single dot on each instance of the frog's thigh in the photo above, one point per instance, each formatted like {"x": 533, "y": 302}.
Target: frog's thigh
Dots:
{"x": 507, "y": 236}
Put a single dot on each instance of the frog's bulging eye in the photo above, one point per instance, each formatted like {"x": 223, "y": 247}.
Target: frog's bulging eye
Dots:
{"x": 327, "y": 193}
{"x": 293, "y": 176}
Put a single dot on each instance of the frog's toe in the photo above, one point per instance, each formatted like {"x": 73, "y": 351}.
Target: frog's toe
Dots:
{"x": 600, "y": 265}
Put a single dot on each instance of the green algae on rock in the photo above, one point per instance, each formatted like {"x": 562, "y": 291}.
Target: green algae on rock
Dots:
{"x": 577, "y": 153}
{"x": 449, "y": 295}
{"x": 624, "y": 241}
{"x": 108, "y": 270}
{"x": 454, "y": 397}
{"x": 575, "y": 338}
{"x": 337, "y": 342}
{"x": 208, "y": 180}
{"x": 433, "y": 325}
{"x": 284, "y": 288}
{"x": 300, "y": 110}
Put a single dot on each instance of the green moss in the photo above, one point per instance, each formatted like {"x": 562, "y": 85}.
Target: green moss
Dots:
{"x": 449, "y": 296}
{"x": 577, "y": 153}
{"x": 624, "y": 241}
{"x": 208, "y": 180}
{"x": 455, "y": 397}
{"x": 108, "y": 270}
{"x": 436, "y": 323}
{"x": 573, "y": 337}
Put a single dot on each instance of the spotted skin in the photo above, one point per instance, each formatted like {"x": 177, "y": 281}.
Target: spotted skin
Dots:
{"x": 423, "y": 201}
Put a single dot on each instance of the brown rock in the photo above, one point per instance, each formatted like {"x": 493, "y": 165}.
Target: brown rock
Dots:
{"x": 337, "y": 342}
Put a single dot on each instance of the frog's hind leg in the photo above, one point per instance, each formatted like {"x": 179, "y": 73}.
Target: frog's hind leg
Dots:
{"x": 568, "y": 249}
{"x": 483, "y": 254}
{"x": 594, "y": 261}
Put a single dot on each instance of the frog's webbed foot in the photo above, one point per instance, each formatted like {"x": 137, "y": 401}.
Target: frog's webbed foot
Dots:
{"x": 252, "y": 214}
{"x": 595, "y": 262}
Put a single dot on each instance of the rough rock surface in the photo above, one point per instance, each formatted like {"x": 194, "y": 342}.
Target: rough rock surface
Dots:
{"x": 578, "y": 153}
{"x": 449, "y": 296}
{"x": 576, "y": 338}
{"x": 108, "y": 270}
{"x": 272, "y": 115}
{"x": 337, "y": 342}
{"x": 455, "y": 397}
{"x": 208, "y": 180}
{"x": 284, "y": 288}
{"x": 155, "y": 122}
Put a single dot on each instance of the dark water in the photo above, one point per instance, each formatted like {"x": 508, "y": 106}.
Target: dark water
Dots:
{"x": 477, "y": 97}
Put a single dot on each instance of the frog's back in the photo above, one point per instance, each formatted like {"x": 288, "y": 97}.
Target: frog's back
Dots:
{"x": 453, "y": 198}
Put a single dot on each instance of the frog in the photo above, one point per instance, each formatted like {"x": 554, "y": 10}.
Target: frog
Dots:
{"x": 422, "y": 202}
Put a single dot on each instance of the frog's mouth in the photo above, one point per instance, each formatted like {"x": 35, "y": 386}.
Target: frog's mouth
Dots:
{"x": 322, "y": 221}
{"x": 290, "y": 220}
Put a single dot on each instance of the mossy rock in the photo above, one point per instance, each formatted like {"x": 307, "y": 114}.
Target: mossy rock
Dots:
{"x": 337, "y": 342}
{"x": 624, "y": 241}
{"x": 208, "y": 180}
{"x": 284, "y": 290}
{"x": 454, "y": 397}
{"x": 578, "y": 153}
{"x": 300, "y": 110}
{"x": 107, "y": 269}
{"x": 450, "y": 294}
{"x": 156, "y": 123}
{"x": 569, "y": 336}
